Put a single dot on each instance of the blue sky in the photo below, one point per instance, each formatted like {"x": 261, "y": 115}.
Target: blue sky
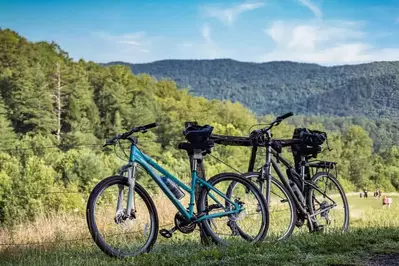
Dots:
{"x": 327, "y": 32}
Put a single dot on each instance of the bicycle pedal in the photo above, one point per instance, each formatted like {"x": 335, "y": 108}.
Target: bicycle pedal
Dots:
{"x": 165, "y": 233}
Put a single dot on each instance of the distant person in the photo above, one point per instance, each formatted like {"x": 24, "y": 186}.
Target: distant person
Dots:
{"x": 365, "y": 193}
{"x": 379, "y": 193}
{"x": 389, "y": 202}
{"x": 386, "y": 202}
{"x": 375, "y": 194}
{"x": 361, "y": 195}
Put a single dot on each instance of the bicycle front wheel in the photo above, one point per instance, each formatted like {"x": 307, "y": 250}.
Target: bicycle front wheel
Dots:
{"x": 252, "y": 220}
{"x": 328, "y": 204}
{"x": 116, "y": 232}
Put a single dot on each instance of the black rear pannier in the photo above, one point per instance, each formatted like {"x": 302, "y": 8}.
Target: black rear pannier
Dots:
{"x": 310, "y": 144}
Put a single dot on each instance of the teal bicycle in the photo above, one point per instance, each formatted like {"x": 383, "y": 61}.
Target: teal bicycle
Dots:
{"x": 123, "y": 219}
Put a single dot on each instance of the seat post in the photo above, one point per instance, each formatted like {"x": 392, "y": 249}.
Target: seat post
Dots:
{"x": 197, "y": 155}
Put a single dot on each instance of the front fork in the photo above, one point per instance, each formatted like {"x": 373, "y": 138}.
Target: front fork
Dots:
{"x": 265, "y": 175}
{"x": 129, "y": 171}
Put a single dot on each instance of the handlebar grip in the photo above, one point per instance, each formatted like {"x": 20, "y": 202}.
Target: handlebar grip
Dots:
{"x": 155, "y": 124}
{"x": 285, "y": 116}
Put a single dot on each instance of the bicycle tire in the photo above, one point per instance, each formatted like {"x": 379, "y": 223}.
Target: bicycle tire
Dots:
{"x": 248, "y": 185}
{"x": 96, "y": 234}
{"x": 310, "y": 198}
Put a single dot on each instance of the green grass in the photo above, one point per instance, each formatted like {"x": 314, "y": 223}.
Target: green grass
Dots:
{"x": 353, "y": 248}
{"x": 374, "y": 233}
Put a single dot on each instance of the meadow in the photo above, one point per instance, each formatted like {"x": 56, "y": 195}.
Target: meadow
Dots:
{"x": 373, "y": 239}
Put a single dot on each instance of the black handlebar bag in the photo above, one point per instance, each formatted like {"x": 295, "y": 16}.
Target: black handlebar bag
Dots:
{"x": 309, "y": 146}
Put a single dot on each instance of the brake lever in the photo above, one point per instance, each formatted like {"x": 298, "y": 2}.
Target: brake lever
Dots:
{"x": 112, "y": 141}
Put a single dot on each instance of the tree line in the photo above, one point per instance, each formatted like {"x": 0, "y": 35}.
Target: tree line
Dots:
{"x": 55, "y": 113}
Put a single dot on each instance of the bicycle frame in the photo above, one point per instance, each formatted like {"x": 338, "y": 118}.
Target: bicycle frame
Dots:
{"x": 138, "y": 157}
{"x": 299, "y": 197}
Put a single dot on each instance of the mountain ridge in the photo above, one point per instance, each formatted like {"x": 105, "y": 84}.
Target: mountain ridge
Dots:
{"x": 247, "y": 62}
{"x": 369, "y": 89}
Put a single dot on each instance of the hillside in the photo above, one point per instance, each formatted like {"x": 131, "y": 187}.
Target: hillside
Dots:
{"x": 370, "y": 90}
{"x": 55, "y": 114}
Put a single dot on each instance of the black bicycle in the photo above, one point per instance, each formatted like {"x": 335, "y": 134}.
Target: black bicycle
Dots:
{"x": 309, "y": 191}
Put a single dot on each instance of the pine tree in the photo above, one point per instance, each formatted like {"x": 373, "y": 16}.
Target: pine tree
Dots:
{"x": 31, "y": 101}
{"x": 6, "y": 131}
{"x": 81, "y": 118}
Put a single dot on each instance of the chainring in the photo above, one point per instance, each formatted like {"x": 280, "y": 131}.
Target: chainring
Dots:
{"x": 184, "y": 226}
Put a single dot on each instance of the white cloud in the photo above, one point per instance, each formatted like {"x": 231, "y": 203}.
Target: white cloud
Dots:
{"x": 307, "y": 36}
{"x": 330, "y": 42}
{"x": 316, "y": 10}
{"x": 208, "y": 48}
{"x": 229, "y": 15}
{"x": 206, "y": 33}
{"x": 130, "y": 42}
{"x": 187, "y": 44}
{"x": 134, "y": 47}
{"x": 205, "y": 48}
{"x": 136, "y": 38}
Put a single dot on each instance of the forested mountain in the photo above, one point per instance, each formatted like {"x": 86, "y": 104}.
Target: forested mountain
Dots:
{"x": 55, "y": 114}
{"x": 370, "y": 90}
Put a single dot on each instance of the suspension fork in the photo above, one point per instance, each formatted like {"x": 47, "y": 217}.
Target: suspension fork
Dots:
{"x": 130, "y": 170}
{"x": 266, "y": 174}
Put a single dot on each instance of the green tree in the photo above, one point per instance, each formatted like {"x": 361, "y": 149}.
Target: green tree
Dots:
{"x": 31, "y": 102}
{"x": 357, "y": 155}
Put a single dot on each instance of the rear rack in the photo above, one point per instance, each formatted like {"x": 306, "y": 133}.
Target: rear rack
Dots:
{"x": 321, "y": 164}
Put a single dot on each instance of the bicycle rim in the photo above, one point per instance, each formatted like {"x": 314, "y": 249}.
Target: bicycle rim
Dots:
{"x": 252, "y": 221}
{"x": 115, "y": 235}
{"x": 328, "y": 204}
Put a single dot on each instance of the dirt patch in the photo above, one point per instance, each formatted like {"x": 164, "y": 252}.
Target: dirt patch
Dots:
{"x": 382, "y": 260}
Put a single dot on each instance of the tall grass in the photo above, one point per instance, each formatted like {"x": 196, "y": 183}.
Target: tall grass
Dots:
{"x": 53, "y": 227}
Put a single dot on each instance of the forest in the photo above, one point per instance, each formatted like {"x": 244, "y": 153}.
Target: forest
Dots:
{"x": 364, "y": 95}
{"x": 366, "y": 90}
{"x": 56, "y": 112}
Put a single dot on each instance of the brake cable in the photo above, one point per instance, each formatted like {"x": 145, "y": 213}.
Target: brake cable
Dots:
{"x": 249, "y": 130}
{"x": 225, "y": 163}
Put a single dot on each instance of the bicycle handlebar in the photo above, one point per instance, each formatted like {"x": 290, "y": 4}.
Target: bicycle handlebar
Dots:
{"x": 127, "y": 134}
{"x": 281, "y": 118}
{"x": 276, "y": 122}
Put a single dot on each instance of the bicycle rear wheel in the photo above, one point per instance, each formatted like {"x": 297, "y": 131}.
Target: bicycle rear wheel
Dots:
{"x": 328, "y": 204}
{"x": 116, "y": 233}
{"x": 253, "y": 220}
{"x": 282, "y": 210}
